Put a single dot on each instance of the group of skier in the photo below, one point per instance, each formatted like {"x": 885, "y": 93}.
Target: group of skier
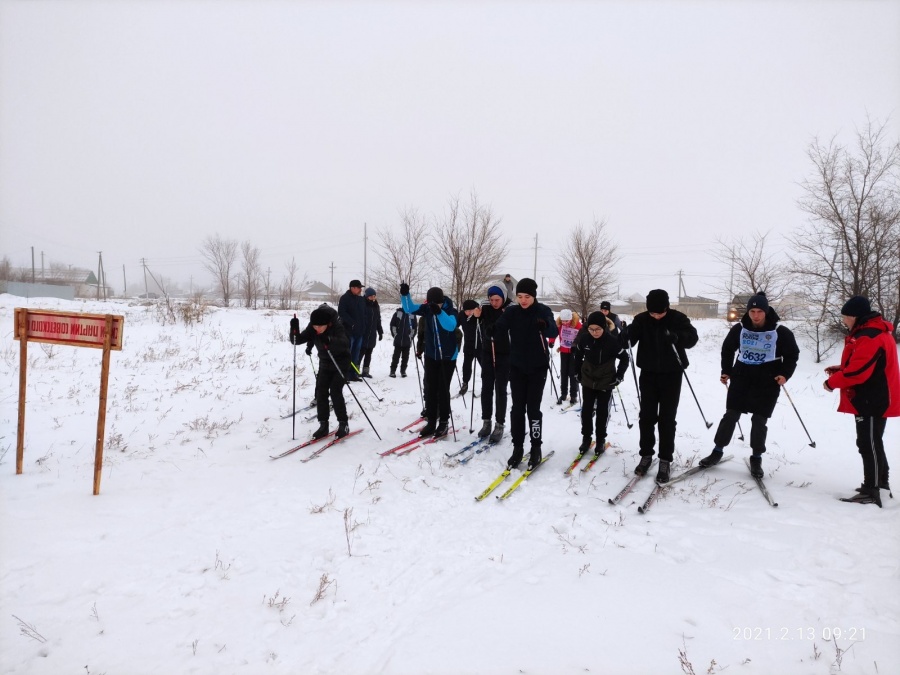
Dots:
{"x": 512, "y": 343}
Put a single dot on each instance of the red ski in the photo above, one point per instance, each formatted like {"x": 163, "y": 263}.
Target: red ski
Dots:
{"x": 329, "y": 444}
{"x": 303, "y": 445}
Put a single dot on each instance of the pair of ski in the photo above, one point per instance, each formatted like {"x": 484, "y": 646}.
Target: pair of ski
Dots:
{"x": 515, "y": 486}
{"x": 581, "y": 455}
{"x": 334, "y": 440}
{"x": 410, "y": 445}
{"x": 478, "y": 446}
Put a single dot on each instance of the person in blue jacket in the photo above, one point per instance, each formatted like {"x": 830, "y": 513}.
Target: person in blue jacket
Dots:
{"x": 529, "y": 325}
{"x": 440, "y": 320}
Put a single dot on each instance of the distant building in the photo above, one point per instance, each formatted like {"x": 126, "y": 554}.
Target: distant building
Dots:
{"x": 698, "y": 307}
{"x": 317, "y": 291}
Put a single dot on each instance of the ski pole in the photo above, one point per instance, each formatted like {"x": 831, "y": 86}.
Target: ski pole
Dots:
{"x": 294, "y": 413}
{"x": 346, "y": 382}
{"x": 366, "y": 381}
{"x": 312, "y": 363}
{"x": 549, "y": 363}
{"x": 684, "y": 372}
{"x": 629, "y": 424}
{"x": 459, "y": 379}
{"x": 633, "y": 369}
{"x": 812, "y": 443}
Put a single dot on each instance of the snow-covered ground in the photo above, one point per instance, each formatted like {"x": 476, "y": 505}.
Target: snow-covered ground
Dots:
{"x": 203, "y": 555}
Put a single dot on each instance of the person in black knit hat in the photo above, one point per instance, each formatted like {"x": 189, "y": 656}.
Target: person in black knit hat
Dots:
{"x": 494, "y": 363}
{"x": 767, "y": 356}
{"x": 440, "y": 321}
{"x": 529, "y": 324}
{"x": 662, "y": 335}
{"x": 327, "y": 334}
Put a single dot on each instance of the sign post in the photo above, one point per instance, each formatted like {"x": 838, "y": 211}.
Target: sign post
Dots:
{"x": 99, "y": 331}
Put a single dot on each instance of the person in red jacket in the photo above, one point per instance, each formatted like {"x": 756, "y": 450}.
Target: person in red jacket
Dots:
{"x": 869, "y": 379}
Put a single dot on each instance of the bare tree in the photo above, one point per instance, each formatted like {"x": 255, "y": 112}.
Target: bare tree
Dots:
{"x": 219, "y": 256}
{"x": 586, "y": 267}
{"x": 468, "y": 247}
{"x": 250, "y": 274}
{"x": 754, "y": 267}
{"x": 851, "y": 246}
{"x": 400, "y": 255}
{"x": 290, "y": 286}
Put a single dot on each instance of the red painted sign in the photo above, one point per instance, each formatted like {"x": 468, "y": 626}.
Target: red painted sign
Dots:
{"x": 65, "y": 328}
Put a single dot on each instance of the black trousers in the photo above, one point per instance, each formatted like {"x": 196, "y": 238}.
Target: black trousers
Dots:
{"x": 401, "y": 355}
{"x": 437, "y": 378}
{"x": 330, "y": 382}
{"x": 468, "y": 357}
{"x": 870, "y": 442}
{"x": 527, "y": 391}
{"x": 595, "y": 413}
{"x": 660, "y": 393}
{"x": 494, "y": 380}
{"x": 367, "y": 356}
{"x": 758, "y": 430}
{"x": 567, "y": 375}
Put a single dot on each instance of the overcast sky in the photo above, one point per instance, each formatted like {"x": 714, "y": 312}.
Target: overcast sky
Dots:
{"x": 140, "y": 128}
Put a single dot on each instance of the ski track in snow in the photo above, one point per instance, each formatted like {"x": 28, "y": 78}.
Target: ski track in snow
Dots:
{"x": 202, "y": 555}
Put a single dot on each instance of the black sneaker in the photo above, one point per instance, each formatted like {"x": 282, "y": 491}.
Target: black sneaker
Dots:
{"x": 392, "y": 374}
{"x": 428, "y": 429}
{"x": 322, "y": 431}
{"x": 643, "y": 465}
{"x": 402, "y": 373}
{"x": 485, "y": 429}
{"x": 343, "y": 429}
{"x": 868, "y": 496}
{"x": 712, "y": 458}
{"x": 516, "y": 458}
{"x": 560, "y": 400}
{"x": 497, "y": 433}
{"x": 535, "y": 457}
{"x": 573, "y": 400}
{"x": 662, "y": 474}
{"x": 756, "y": 469}
{"x": 585, "y": 444}
{"x": 442, "y": 428}
{"x": 882, "y": 485}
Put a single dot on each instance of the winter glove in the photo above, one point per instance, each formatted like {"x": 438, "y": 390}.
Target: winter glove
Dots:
{"x": 309, "y": 349}
{"x": 380, "y": 335}
{"x": 618, "y": 381}
{"x": 541, "y": 324}
{"x": 404, "y": 288}
{"x": 552, "y": 341}
{"x": 435, "y": 308}
{"x": 673, "y": 337}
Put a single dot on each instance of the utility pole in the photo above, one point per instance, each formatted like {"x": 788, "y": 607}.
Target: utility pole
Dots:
{"x": 365, "y": 246}
{"x": 146, "y": 290}
{"x": 124, "y": 285}
{"x": 332, "y": 277}
{"x": 42, "y": 267}
{"x": 99, "y": 272}
{"x": 32, "y": 264}
{"x": 534, "y": 274}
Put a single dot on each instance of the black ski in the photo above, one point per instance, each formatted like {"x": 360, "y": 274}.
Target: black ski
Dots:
{"x": 762, "y": 486}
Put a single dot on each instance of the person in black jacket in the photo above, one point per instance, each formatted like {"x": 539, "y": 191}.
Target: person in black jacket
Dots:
{"x": 352, "y": 311}
{"x": 595, "y": 352}
{"x": 529, "y": 324}
{"x": 767, "y": 356}
{"x": 471, "y": 348}
{"x": 402, "y": 327}
{"x": 663, "y": 334}
{"x": 326, "y": 333}
{"x": 494, "y": 363}
{"x": 373, "y": 332}
{"x": 440, "y": 349}
{"x": 606, "y": 308}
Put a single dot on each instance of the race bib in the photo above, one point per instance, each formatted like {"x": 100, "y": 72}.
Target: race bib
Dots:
{"x": 567, "y": 336}
{"x": 757, "y": 347}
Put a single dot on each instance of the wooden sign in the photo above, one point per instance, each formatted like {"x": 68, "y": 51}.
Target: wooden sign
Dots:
{"x": 100, "y": 331}
{"x": 67, "y": 328}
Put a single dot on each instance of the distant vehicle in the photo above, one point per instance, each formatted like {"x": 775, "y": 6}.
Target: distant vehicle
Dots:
{"x": 737, "y": 307}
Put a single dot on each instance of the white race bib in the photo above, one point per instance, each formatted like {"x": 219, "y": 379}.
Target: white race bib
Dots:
{"x": 757, "y": 347}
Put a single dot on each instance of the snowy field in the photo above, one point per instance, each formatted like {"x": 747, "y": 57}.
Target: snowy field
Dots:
{"x": 203, "y": 555}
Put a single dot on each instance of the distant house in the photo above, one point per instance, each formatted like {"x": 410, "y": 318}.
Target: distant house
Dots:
{"x": 317, "y": 291}
{"x": 698, "y": 307}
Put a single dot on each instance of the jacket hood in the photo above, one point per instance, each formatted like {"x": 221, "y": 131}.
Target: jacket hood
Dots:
{"x": 873, "y": 320}
{"x": 772, "y": 320}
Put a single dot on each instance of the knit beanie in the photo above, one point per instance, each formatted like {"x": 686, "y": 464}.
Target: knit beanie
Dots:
{"x": 657, "y": 301}
{"x": 597, "y": 319}
{"x": 605, "y": 305}
{"x": 496, "y": 290}
{"x": 469, "y": 304}
{"x": 758, "y": 301}
{"x": 857, "y": 306}
{"x": 527, "y": 286}
{"x": 435, "y": 295}
{"x": 370, "y": 292}
{"x": 319, "y": 317}
{"x": 566, "y": 315}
